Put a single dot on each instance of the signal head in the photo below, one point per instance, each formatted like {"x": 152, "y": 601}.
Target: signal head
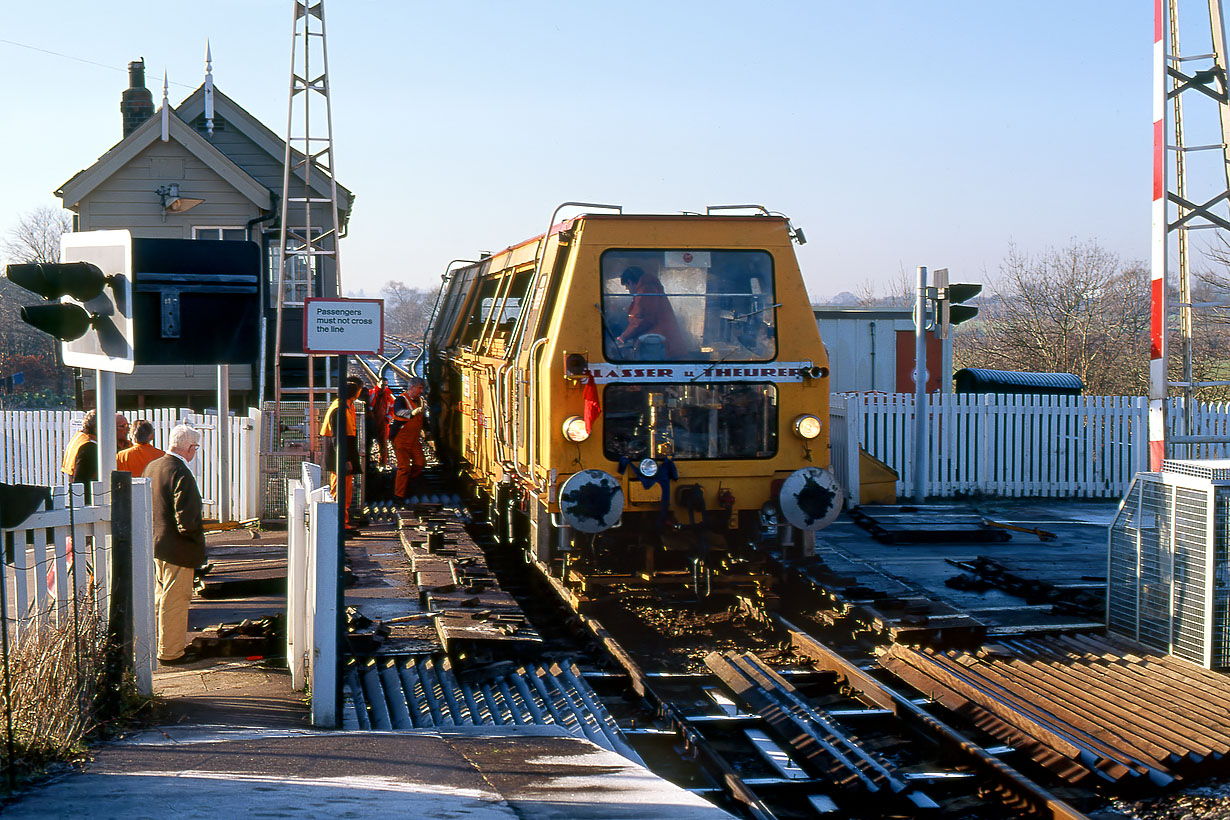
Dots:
{"x": 63, "y": 320}
{"x": 52, "y": 280}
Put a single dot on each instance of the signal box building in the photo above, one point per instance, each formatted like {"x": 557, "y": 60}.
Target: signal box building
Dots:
{"x": 205, "y": 170}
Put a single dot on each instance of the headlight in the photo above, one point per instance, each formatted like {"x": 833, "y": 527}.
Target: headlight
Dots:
{"x": 648, "y": 468}
{"x": 807, "y": 426}
{"x": 574, "y": 429}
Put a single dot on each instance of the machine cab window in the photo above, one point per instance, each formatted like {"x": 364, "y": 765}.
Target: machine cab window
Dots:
{"x": 688, "y": 306}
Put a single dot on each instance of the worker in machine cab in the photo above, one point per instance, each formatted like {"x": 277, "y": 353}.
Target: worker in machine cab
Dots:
{"x": 409, "y": 413}
{"x": 351, "y": 448}
{"x": 649, "y": 316}
{"x": 136, "y": 458}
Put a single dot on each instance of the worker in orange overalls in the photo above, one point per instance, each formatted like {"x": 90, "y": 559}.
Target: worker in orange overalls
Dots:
{"x": 137, "y": 457}
{"x": 352, "y": 448}
{"x": 409, "y": 412}
{"x": 382, "y": 412}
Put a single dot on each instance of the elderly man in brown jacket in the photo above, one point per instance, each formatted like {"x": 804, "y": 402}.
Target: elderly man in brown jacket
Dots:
{"x": 179, "y": 541}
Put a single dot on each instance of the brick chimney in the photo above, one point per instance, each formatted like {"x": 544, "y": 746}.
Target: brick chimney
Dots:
{"x": 136, "y": 104}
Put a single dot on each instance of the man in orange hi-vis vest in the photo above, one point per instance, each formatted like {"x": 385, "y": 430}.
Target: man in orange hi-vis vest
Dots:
{"x": 81, "y": 456}
{"x": 351, "y": 453}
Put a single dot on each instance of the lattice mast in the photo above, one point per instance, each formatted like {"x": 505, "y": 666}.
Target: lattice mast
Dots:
{"x": 1174, "y": 212}
{"x": 309, "y": 225}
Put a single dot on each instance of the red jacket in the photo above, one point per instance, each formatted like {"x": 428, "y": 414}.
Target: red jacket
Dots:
{"x": 651, "y": 312}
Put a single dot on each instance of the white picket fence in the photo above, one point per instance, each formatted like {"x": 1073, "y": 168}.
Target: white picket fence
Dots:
{"x": 312, "y": 594}
{"x": 57, "y": 564}
{"x": 32, "y": 444}
{"x": 1032, "y": 446}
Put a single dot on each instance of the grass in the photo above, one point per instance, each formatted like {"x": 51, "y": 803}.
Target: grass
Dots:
{"x": 57, "y": 700}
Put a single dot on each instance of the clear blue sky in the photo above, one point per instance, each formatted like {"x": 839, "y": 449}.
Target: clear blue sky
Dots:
{"x": 896, "y": 134}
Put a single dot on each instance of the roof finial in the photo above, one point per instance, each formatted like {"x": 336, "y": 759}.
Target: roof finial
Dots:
{"x": 166, "y": 111}
{"x": 209, "y": 90}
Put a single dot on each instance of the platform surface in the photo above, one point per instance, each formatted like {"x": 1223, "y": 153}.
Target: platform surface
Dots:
{"x": 486, "y": 774}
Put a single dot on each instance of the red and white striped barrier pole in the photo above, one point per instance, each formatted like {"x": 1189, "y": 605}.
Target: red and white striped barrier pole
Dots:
{"x": 1157, "y": 324}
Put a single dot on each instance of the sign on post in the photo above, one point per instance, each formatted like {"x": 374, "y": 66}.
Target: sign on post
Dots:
{"x": 343, "y": 325}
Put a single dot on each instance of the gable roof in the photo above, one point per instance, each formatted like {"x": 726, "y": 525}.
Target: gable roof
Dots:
{"x": 127, "y": 149}
{"x": 258, "y": 132}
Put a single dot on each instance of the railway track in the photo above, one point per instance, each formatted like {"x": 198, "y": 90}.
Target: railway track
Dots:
{"x": 398, "y": 368}
{"x": 792, "y": 697}
{"x": 822, "y": 735}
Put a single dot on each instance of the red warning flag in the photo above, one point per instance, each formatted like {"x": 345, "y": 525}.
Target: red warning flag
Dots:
{"x": 593, "y": 409}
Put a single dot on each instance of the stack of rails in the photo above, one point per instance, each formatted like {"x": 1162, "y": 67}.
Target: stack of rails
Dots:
{"x": 1084, "y": 707}
{"x": 820, "y": 742}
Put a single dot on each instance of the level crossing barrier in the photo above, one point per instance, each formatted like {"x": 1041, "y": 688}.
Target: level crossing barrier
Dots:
{"x": 32, "y": 444}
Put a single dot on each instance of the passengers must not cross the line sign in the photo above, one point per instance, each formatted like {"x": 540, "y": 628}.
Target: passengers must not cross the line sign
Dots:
{"x": 343, "y": 325}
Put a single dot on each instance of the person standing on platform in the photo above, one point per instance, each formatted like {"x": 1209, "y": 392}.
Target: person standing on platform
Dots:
{"x": 328, "y": 431}
{"x": 137, "y": 457}
{"x": 121, "y": 433}
{"x": 179, "y": 542}
{"x": 81, "y": 456}
{"x": 409, "y": 413}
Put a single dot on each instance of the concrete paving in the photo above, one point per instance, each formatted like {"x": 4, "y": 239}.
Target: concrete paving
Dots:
{"x": 1075, "y": 558}
{"x": 484, "y": 774}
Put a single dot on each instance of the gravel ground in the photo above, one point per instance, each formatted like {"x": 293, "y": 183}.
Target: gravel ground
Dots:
{"x": 1210, "y": 801}
{"x": 677, "y": 638}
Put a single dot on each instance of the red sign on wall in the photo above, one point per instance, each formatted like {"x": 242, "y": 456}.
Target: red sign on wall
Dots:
{"x": 905, "y": 361}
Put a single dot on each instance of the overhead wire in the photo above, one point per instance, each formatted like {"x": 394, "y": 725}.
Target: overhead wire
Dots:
{"x": 79, "y": 59}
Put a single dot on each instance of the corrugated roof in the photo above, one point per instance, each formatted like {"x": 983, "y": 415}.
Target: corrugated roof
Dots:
{"x": 983, "y": 380}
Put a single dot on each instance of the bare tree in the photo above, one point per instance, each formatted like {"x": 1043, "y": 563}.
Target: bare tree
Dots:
{"x": 407, "y": 310}
{"x": 899, "y": 292}
{"x": 1076, "y": 309}
{"x": 36, "y": 236}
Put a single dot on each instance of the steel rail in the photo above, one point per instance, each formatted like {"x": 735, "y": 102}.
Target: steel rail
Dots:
{"x": 693, "y": 740}
{"x": 1038, "y": 799}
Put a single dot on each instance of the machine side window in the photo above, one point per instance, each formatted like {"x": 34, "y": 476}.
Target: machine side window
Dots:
{"x": 689, "y": 421}
{"x": 508, "y": 303}
{"x": 479, "y": 311}
{"x": 447, "y": 323}
{"x": 688, "y": 306}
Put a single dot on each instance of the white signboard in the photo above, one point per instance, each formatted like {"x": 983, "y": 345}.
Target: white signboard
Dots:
{"x": 109, "y": 346}
{"x": 343, "y": 325}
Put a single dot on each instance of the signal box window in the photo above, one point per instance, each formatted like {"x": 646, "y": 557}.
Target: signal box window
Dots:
{"x": 229, "y": 234}
{"x": 689, "y": 421}
{"x": 688, "y": 306}
{"x": 300, "y": 273}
